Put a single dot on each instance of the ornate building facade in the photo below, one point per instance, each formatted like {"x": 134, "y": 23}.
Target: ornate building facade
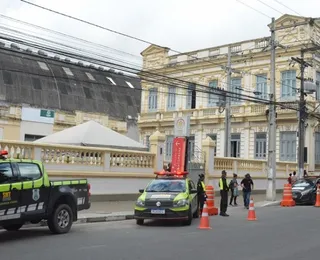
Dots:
{"x": 183, "y": 84}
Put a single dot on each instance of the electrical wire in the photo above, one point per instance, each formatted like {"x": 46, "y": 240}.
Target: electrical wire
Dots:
{"x": 122, "y": 34}
{"x": 269, "y": 6}
{"x": 207, "y": 92}
{"x": 243, "y": 4}
{"x": 287, "y": 7}
{"x": 128, "y": 69}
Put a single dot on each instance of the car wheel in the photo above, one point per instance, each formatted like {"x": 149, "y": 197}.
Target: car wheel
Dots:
{"x": 60, "y": 221}
{"x": 140, "y": 222}
{"x": 189, "y": 220}
{"x": 13, "y": 227}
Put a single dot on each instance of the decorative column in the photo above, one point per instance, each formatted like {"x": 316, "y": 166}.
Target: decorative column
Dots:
{"x": 157, "y": 147}
{"x": 208, "y": 148}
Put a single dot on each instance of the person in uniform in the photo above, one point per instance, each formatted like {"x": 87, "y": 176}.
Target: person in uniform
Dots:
{"x": 224, "y": 189}
{"x": 201, "y": 190}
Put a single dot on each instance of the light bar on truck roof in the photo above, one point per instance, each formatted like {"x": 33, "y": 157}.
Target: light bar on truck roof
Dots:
{"x": 3, "y": 152}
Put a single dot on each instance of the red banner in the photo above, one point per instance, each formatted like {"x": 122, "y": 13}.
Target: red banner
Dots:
{"x": 178, "y": 154}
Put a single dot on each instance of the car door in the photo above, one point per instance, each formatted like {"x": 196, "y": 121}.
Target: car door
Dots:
{"x": 34, "y": 194}
{"x": 10, "y": 188}
{"x": 193, "y": 196}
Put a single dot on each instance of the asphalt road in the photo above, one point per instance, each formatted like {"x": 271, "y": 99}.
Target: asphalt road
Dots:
{"x": 278, "y": 234}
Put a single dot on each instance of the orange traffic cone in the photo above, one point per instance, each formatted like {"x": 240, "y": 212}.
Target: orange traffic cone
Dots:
{"x": 212, "y": 210}
{"x": 204, "y": 221}
{"x": 251, "y": 212}
{"x": 318, "y": 197}
{"x": 287, "y": 200}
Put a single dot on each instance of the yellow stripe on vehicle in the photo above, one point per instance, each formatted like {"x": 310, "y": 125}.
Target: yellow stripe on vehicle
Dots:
{"x": 17, "y": 186}
{"x": 27, "y": 185}
{"x": 4, "y": 187}
{"x": 56, "y": 183}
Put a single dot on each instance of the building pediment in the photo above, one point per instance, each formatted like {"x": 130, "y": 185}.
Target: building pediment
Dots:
{"x": 287, "y": 20}
{"x": 153, "y": 49}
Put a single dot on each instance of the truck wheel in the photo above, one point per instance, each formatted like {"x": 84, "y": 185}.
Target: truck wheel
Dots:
{"x": 140, "y": 222}
{"x": 13, "y": 227}
{"x": 60, "y": 221}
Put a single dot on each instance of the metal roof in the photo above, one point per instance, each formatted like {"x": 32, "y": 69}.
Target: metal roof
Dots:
{"x": 50, "y": 82}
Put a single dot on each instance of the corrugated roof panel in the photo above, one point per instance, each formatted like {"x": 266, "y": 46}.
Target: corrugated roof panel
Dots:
{"x": 100, "y": 95}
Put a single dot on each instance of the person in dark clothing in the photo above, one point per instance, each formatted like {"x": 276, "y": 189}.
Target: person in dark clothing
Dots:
{"x": 224, "y": 189}
{"x": 247, "y": 186}
{"x": 290, "y": 178}
{"x": 233, "y": 186}
{"x": 201, "y": 190}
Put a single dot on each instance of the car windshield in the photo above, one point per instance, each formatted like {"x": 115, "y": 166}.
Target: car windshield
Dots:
{"x": 304, "y": 184}
{"x": 167, "y": 186}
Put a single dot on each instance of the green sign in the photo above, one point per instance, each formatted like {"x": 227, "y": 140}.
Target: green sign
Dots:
{"x": 47, "y": 113}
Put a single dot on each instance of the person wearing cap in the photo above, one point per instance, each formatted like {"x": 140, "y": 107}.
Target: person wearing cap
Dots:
{"x": 201, "y": 190}
{"x": 247, "y": 186}
{"x": 224, "y": 189}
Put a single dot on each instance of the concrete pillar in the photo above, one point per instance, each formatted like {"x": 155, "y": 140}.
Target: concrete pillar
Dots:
{"x": 310, "y": 143}
{"x": 157, "y": 147}
{"x": 208, "y": 148}
{"x": 221, "y": 142}
{"x": 245, "y": 139}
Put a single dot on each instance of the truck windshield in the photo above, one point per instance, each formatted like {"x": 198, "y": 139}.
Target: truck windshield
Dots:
{"x": 167, "y": 186}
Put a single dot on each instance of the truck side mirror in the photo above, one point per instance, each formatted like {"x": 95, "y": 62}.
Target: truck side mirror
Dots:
{"x": 141, "y": 191}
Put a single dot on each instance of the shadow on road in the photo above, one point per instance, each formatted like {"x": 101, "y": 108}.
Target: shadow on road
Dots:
{"x": 165, "y": 223}
{"x": 6, "y": 236}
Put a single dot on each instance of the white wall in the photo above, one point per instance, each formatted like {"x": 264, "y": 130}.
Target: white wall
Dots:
{"x": 34, "y": 128}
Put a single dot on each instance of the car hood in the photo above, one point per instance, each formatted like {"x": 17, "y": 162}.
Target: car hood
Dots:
{"x": 161, "y": 195}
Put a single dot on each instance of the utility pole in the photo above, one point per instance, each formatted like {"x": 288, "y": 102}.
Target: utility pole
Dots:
{"x": 302, "y": 109}
{"x": 227, "y": 125}
{"x": 271, "y": 186}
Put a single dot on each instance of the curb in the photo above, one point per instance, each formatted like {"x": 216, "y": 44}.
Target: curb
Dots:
{"x": 83, "y": 220}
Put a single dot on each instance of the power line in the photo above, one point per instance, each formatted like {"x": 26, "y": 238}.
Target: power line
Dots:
{"x": 207, "y": 86}
{"x": 287, "y": 7}
{"x": 129, "y": 36}
{"x": 247, "y": 98}
{"x": 99, "y": 55}
{"x": 67, "y": 36}
{"x": 246, "y": 6}
{"x": 124, "y": 68}
{"x": 269, "y": 6}
{"x": 113, "y": 31}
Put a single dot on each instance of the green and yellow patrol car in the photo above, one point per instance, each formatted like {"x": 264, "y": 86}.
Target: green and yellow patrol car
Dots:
{"x": 168, "y": 196}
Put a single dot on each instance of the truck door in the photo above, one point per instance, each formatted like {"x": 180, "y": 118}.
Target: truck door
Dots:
{"x": 34, "y": 194}
{"x": 9, "y": 193}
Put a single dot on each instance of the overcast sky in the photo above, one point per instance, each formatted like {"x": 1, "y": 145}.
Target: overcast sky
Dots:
{"x": 182, "y": 25}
